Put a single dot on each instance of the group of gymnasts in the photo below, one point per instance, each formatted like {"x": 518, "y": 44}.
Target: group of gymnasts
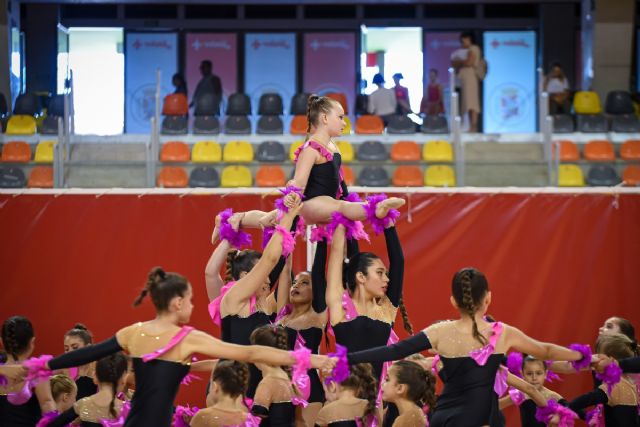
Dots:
{"x": 266, "y": 368}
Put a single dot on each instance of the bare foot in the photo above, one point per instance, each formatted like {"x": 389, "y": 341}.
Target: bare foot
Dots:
{"x": 391, "y": 203}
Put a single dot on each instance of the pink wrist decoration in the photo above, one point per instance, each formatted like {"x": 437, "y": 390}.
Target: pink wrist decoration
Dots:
{"x": 353, "y": 229}
{"x": 319, "y": 233}
{"x": 341, "y": 370}
{"x": 237, "y": 238}
{"x": 514, "y": 363}
{"x": 280, "y": 206}
{"x": 566, "y": 415}
{"x": 288, "y": 242}
{"x": 37, "y": 369}
{"x": 585, "y": 362}
{"x": 610, "y": 376}
{"x": 379, "y": 224}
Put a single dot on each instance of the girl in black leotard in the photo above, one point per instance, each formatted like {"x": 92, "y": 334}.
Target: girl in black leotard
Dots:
{"x": 470, "y": 351}
{"x": 620, "y": 404}
{"x": 78, "y": 337}
{"x": 63, "y": 391}
{"x": 275, "y": 397}
{"x": 410, "y": 388}
{"x": 103, "y": 405}
{"x": 21, "y": 404}
{"x": 352, "y": 402}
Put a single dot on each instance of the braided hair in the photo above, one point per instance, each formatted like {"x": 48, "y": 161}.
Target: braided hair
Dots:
{"x": 365, "y": 386}
{"x": 626, "y": 328}
{"x": 421, "y": 384}
{"x": 163, "y": 287}
{"x": 317, "y": 105}
{"x": 111, "y": 369}
{"x": 239, "y": 262}
{"x": 272, "y": 336}
{"x": 232, "y": 377}
{"x": 469, "y": 286}
{"x": 17, "y": 332}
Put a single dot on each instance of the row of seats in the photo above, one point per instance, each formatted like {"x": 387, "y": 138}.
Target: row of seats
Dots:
{"x": 597, "y": 176}
{"x": 274, "y": 176}
{"x": 273, "y": 151}
{"x": 28, "y": 117}
{"x": 14, "y": 177}
{"x": 20, "y": 152}
{"x": 589, "y": 117}
{"x": 598, "y": 151}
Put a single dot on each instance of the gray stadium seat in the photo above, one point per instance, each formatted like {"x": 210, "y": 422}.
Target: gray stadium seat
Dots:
{"x": 237, "y": 125}
{"x": 206, "y": 125}
{"x": 625, "y": 123}
{"x": 435, "y": 124}
{"x": 174, "y": 125}
{"x": 401, "y": 124}
{"x": 362, "y": 103}
{"x": 204, "y": 177}
{"x": 207, "y": 105}
{"x": 238, "y": 104}
{"x": 592, "y": 123}
{"x": 602, "y": 176}
{"x": 12, "y": 178}
{"x": 373, "y": 176}
{"x": 619, "y": 102}
{"x": 299, "y": 104}
{"x": 270, "y": 125}
{"x": 270, "y": 105}
{"x": 372, "y": 151}
{"x": 27, "y": 104}
{"x": 271, "y": 151}
{"x": 563, "y": 123}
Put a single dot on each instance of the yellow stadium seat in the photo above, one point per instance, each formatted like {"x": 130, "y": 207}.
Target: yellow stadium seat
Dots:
{"x": 236, "y": 176}
{"x": 206, "y": 152}
{"x": 570, "y": 176}
{"x": 347, "y": 129}
{"x": 21, "y": 125}
{"x": 44, "y": 152}
{"x": 346, "y": 151}
{"x": 437, "y": 151}
{"x": 440, "y": 176}
{"x": 294, "y": 147}
{"x": 587, "y": 103}
{"x": 238, "y": 152}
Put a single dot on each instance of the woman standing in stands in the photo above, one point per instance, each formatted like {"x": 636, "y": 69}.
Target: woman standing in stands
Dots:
{"x": 556, "y": 85}
{"x": 432, "y": 103}
{"x": 469, "y": 81}
{"x": 78, "y": 337}
{"x": 21, "y": 402}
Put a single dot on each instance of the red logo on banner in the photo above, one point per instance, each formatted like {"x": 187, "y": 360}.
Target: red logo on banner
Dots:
{"x": 270, "y": 43}
{"x": 516, "y": 43}
{"x": 137, "y": 44}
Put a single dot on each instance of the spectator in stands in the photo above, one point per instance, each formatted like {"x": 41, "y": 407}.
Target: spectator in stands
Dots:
{"x": 557, "y": 86}
{"x": 469, "y": 81}
{"x": 432, "y": 102}
{"x": 402, "y": 95}
{"x": 179, "y": 83}
{"x": 209, "y": 83}
{"x": 382, "y": 102}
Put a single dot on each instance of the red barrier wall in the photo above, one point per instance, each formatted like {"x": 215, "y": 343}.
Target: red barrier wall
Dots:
{"x": 557, "y": 264}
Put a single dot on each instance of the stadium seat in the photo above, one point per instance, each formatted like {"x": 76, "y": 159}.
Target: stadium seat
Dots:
{"x": 206, "y": 125}
{"x": 270, "y": 104}
{"x": 237, "y": 152}
{"x": 238, "y": 104}
{"x": 172, "y": 177}
{"x": 346, "y": 151}
{"x": 27, "y": 104}
{"x": 207, "y": 105}
{"x": 407, "y": 176}
{"x": 401, "y": 124}
{"x": 41, "y": 177}
{"x": 405, "y": 151}
{"x": 348, "y": 175}
{"x": 592, "y": 123}
{"x": 174, "y": 125}
{"x": 270, "y": 176}
{"x": 175, "y": 151}
{"x": 341, "y": 98}
{"x": 55, "y": 111}
{"x": 570, "y": 176}
{"x": 175, "y": 104}
{"x": 270, "y": 125}
{"x": 16, "y": 151}
{"x": 372, "y": 151}
{"x": 437, "y": 151}
{"x": 440, "y": 176}
{"x": 12, "y": 178}
{"x": 435, "y": 124}
{"x": 271, "y": 151}
{"x": 625, "y": 123}
{"x": 587, "y": 103}
{"x": 602, "y": 176}
{"x": 299, "y": 104}
{"x": 563, "y": 123}
{"x": 347, "y": 129}
{"x": 568, "y": 151}
{"x": 206, "y": 152}
{"x": 237, "y": 125}
{"x": 369, "y": 125}
{"x": 44, "y": 152}
{"x": 204, "y": 177}
{"x": 599, "y": 151}
{"x": 298, "y": 125}
{"x": 236, "y": 176}
{"x": 619, "y": 102}
{"x": 631, "y": 176}
{"x": 293, "y": 148}
{"x": 373, "y": 176}
{"x": 630, "y": 150}
{"x": 21, "y": 125}
{"x": 362, "y": 104}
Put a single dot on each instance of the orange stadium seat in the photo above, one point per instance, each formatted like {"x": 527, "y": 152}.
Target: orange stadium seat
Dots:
{"x": 349, "y": 176}
{"x": 175, "y": 151}
{"x": 270, "y": 176}
{"x": 630, "y": 150}
{"x": 599, "y": 150}
{"x": 172, "y": 177}
{"x": 16, "y": 151}
{"x": 631, "y": 176}
{"x": 41, "y": 177}
{"x": 568, "y": 151}
{"x": 369, "y": 125}
{"x": 298, "y": 125}
{"x": 408, "y": 176}
{"x": 341, "y": 98}
{"x": 175, "y": 104}
{"x": 405, "y": 151}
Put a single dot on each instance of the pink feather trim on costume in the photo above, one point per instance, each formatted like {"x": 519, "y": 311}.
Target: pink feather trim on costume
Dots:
{"x": 319, "y": 233}
{"x": 47, "y": 418}
{"x": 566, "y": 415}
{"x": 514, "y": 363}
{"x": 237, "y": 238}
{"x": 183, "y": 412}
{"x": 341, "y": 370}
{"x": 379, "y": 224}
{"x": 189, "y": 378}
{"x": 288, "y": 242}
{"x": 585, "y": 362}
{"x": 610, "y": 376}
{"x": 37, "y": 369}
{"x": 280, "y": 206}
{"x": 353, "y": 229}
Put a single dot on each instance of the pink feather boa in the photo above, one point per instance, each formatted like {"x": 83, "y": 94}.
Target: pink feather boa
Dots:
{"x": 585, "y": 362}
{"x": 379, "y": 224}
{"x": 280, "y": 206}
{"x": 610, "y": 376}
{"x": 183, "y": 414}
{"x": 566, "y": 415}
{"x": 353, "y": 229}
{"x": 237, "y": 238}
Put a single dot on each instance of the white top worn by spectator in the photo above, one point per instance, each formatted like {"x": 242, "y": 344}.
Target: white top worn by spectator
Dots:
{"x": 382, "y": 102}
{"x": 460, "y": 54}
{"x": 556, "y": 85}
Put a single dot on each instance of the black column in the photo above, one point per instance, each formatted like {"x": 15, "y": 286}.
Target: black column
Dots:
{"x": 558, "y": 37}
{"x": 40, "y": 25}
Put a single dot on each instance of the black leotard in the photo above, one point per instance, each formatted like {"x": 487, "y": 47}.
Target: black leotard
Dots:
{"x": 86, "y": 387}
{"x": 614, "y": 416}
{"x": 26, "y": 415}
{"x": 528, "y": 410}
{"x": 280, "y": 414}
{"x": 324, "y": 179}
